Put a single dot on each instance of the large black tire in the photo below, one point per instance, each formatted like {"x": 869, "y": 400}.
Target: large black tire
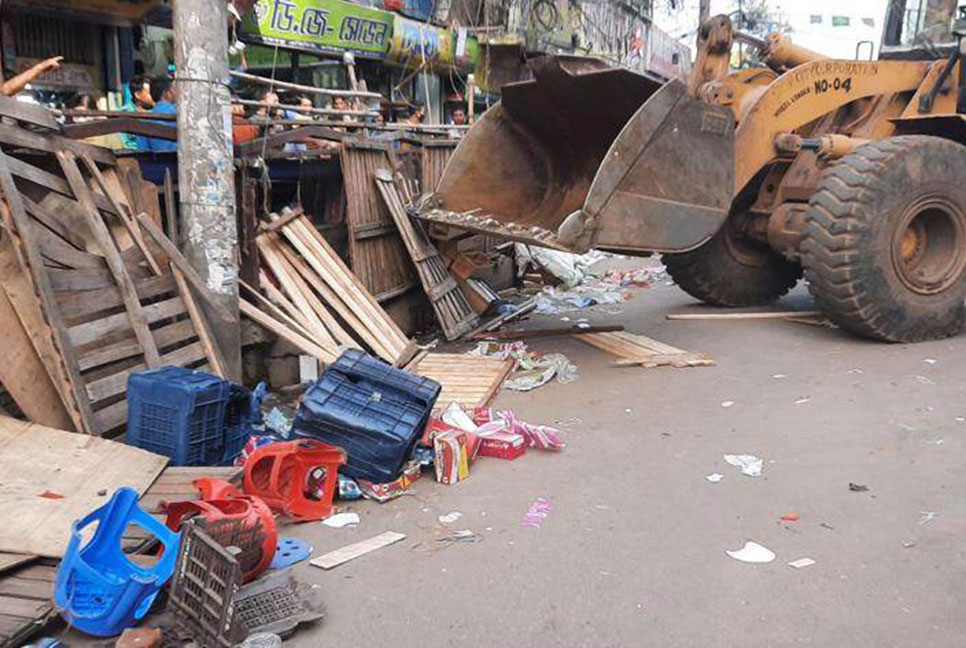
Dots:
{"x": 733, "y": 270}
{"x": 885, "y": 240}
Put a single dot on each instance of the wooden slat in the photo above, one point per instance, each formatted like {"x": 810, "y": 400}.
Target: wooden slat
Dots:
{"x": 115, "y": 384}
{"x": 71, "y": 280}
{"x": 276, "y": 327}
{"x": 25, "y": 112}
{"x": 91, "y": 331}
{"x": 103, "y": 238}
{"x": 87, "y": 302}
{"x": 453, "y": 311}
{"x": 120, "y": 206}
{"x": 208, "y": 343}
{"x": 471, "y": 381}
{"x": 164, "y": 336}
{"x": 644, "y": 351}
{"x": 53, "y": 222}
{"x": 190, "y": 274}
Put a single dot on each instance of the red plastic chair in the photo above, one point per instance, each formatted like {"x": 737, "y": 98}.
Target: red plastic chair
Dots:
{"x": 298, "y": 478}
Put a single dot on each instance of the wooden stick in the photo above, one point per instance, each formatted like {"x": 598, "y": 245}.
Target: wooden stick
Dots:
{"x": 275, "y": 310}
{"x": 170, "y": 208}
{"x": 260, "y": 318}
{"x": 306, "y": 111}
{"x": 494, "y": 323}
{"x": 296, "y": 87}
{"x": 742, "y": 316}
{"x": 123, "y": 212}
{"x": 189, "y": 273}
{"x": 113, "y": 258}
{"x": 540, "y": 333}
{"x": 208, "y": 343}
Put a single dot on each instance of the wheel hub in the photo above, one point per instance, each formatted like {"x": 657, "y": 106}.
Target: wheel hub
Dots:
{"x": 929, "y": 248}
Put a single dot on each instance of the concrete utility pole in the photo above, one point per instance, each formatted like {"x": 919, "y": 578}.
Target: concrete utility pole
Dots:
{"x": 704, "y": 10}
{"x": 206, "y": 174}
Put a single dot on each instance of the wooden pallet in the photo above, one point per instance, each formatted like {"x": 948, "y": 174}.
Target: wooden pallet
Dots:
{"x": 109, "y": 304}
{"x": 470, "y": 381}
{"x": 639, "y": 350}
{"x": 377, "y": 255}
{"x": 453, "y": 311}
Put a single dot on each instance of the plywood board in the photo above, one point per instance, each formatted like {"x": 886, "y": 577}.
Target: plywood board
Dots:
{"x": 35, "y": 459}
{"x": 470, "y": 381}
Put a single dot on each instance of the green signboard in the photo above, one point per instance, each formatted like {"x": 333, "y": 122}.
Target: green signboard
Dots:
{"x": 322, "y": 26}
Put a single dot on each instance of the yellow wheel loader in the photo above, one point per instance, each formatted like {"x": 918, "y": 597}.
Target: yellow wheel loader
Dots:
{"x": 853, "y": 172}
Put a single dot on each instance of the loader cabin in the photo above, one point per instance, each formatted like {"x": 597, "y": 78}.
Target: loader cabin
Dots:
{"x": 919, "y": 29}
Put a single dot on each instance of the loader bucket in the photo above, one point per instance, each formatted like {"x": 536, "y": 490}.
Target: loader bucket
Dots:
{"x": 531, "y": 159}
{"x": 586, "y": 155}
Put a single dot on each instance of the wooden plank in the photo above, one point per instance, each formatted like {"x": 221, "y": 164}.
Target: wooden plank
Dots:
{"x": 208, "y": 343}
{"x": 279, "y": 329}
{"x": 35, "y": 459}
{"x": 759, "y": 315}
{"x": 54, "y": 223}
{"x": 48, "y": 180}
{"x": 24, "y": 588}
{"x": 356, "y": 549}
{"x": 102, "y": 388}
{"x": 59, "y": 251}
{"x": 29, "y": 113}
{"x": 49, "y": 143}
{"x": 88, "y": 302}
{"x": 170, "y": 208}
{"x": 120, "y": 206}
{"x": 71, "y": 280}
{"x": 287, "y": 318}
{"x": 164, "y": 336}
{"x": 11, "y": 560}
{"x": 91, "y": 331}
{"x": 189, "y": 273}
{"x": 41, "y": 284}
{"x": 114, "y": 262}
{"x": 644, "y": 351}
{"x": 527, "y": 334}
{"x": 22, "y": 607}
{"x": 128, "y": 124}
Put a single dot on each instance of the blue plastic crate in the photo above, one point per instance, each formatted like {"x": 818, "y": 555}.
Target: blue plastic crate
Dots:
{"x": 238, "y": 423}
{"x": 376, "y": 413}
{"x": 178, "y": 413}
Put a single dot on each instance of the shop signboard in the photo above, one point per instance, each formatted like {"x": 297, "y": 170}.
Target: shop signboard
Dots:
{"x": 319, "y": 26}
{"x": 133, "y": 10}
{"x": 414, "y": 41}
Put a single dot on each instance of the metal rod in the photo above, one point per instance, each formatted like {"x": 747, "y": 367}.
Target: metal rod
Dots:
{"x": 307, "y": 111}
{"x": 297, "y": 87}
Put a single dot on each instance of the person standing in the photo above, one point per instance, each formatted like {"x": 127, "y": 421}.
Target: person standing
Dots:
{"x": 19, "y": 82}
{"x": 165, "y": 105}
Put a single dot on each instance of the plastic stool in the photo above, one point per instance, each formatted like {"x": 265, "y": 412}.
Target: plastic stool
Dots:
{"x": 298, "y": 478}
{"x": 243, "y": 522}
{"x": 100, "y": 591}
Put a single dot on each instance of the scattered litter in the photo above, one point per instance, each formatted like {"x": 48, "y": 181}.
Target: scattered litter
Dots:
{"x": 340, "y": 520}
{"x": 779, "y": 376}
{"x": 714, "y": 478}
{"x": 931, "y": 361}
{"x": 348, "y": 488}
{"x": 855, "y": 371}
{"x": 927, "y": 516}
{"x": 51, "y": 495}
{"x": 356, "y": 549}
{"x": 262, "y": 639}
{"x": 789, "y": 517}
{"x": 449, "y": 518}
{"x": 961, "y": 419}
{"x": 460, "y": 536}
{"x": 533, "y": 369}
{"x": 908, "y": 545}
{"x": 923, "y": 380}
{"x": 752, "y": 552}
{"x": 801, "y": 563}
{"x": 727, "y": 403}
{"x": 802, "y": 400}
{"x": 825, "y": 525}
{"x": 277, "y": 422}
{"x": 537, "y": 436}
{"x": 907, "y": 428}
{"x": 538, "y": 512}
{"x": 749, "y": 465}
{"x": 858, "y": 488}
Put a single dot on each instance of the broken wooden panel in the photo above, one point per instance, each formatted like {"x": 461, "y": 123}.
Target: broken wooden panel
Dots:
{"x": 377, "y": 254}
{"x": 436, "y": 153}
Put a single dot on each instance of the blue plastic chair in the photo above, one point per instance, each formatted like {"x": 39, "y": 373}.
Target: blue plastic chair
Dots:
{"x": 98, "y": 590}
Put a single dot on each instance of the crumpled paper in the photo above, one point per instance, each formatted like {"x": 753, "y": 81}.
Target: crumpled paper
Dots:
{"x": 532, "y": 369}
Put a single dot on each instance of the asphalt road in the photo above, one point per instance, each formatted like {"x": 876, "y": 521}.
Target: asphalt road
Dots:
{"x": 633, "y": 553}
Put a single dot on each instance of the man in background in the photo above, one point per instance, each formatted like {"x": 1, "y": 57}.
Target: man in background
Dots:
{"x": 19, "y": 82}
{"x": 164, "y": 105}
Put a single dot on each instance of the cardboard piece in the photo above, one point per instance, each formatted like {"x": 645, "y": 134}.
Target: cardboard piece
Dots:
{"x": 452, "y": 460}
